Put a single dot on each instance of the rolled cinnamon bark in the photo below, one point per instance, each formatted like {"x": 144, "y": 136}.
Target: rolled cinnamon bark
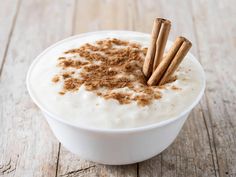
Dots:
{"x": 183, "y": 50}
{"x": 162, "y": 67}
{"x": 161, "y": 42}
{"x": 148, "y": 62}
{"x": 160, "y": 32}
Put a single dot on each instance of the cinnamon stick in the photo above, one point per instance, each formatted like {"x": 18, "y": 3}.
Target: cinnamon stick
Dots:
{"x": 161, "y": 42}
{"x": 183, "y": 50}
{"x": 149, "y": 59}
{"x": 162, "y": 67}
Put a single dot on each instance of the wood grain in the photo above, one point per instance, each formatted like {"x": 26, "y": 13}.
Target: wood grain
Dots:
{"x": 205, "y": 146}
{"x": 27, "y": 146}
{"x": 215, "y": 30}
{"x": 190, "y": 154}
{"x": 70, "y": 165}
{"x": 92, "y": 15}
{"x": 8, "y": 13}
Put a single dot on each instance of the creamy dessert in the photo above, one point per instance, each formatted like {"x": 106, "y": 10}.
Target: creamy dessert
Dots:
{"x": 96, "y": 80}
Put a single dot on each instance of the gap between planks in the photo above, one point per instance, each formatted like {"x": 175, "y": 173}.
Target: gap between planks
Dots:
{"x": 58, "y": 158}
{"x": 210, "y": 140}
{"x": 211, "y": 144}
{"x": 10, "y": 35}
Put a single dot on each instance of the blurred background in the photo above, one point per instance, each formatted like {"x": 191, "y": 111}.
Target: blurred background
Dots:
{"x": 206, "y": 145}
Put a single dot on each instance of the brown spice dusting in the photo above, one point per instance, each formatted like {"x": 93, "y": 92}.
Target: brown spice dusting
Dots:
{"x": 162, "y": 87}
{"x": 62, "y": 93}
{"x": 143, "y": 100}
{"x": 175, "y": 88}
{"x": 145, "y": 51}
{"x": 157, "y": 95}
{"x": 172, "y": 79}
{"x": 66, "y": 75}
{"x": 61, "y": 58}
{"x": 72, "y": 84}
{"x": 106, "y": 66}
{"x": 55, "y": 79}
{"x": 65, "y": 63}
{"x": 123, "y": 98}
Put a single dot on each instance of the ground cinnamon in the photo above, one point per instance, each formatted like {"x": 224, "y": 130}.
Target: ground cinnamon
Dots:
{"x": 107, "y": 66}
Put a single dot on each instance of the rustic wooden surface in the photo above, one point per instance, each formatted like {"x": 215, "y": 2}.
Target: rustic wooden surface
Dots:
{"x": 206, "y": 146}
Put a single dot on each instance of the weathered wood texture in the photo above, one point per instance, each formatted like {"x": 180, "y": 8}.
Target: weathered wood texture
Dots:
{"x": 27, "y": 146}
{"x": 215, "y": 27}
{"x": 190, "y": 154}
{"x": 206, "y": 146}
{"x": 8, "y": 12}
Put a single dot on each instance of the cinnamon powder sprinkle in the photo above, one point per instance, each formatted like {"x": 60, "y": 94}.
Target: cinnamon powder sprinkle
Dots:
{"x": 175, "y": 88}
{"x": 55, "y": 79}
{"x": 105, "y": 68}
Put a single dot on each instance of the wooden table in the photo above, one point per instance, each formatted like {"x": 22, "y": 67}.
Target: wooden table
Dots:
{"x": 206, "y": 146}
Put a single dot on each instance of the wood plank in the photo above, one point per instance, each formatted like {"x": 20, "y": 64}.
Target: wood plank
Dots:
{"x": 27, "y": 146}
{"x": 191, "y": 153}
{"x": 70, "y": 165}
{"x": 102, "y": 15}
{"x": 207, "y": 142}
{"x": 215, "y": 27}
{"x": 8, "y": 13}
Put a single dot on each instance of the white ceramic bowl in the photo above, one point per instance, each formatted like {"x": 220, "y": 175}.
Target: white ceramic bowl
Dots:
{"x": 115, "y": 146}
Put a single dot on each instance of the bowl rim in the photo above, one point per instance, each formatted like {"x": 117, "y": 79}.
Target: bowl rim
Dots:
{"x": 109, "y": 130}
